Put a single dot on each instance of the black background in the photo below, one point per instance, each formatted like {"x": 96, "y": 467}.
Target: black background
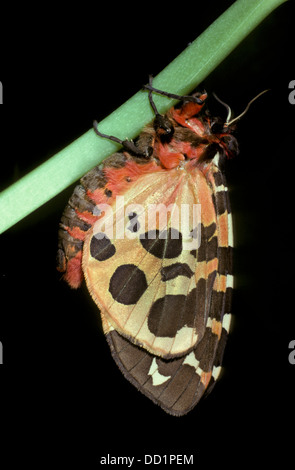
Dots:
{"x": 62, "y": 396}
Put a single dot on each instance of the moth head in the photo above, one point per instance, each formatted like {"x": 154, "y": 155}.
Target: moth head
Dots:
{"x": 223, "y": 130}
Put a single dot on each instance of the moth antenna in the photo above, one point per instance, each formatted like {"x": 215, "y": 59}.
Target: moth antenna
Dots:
{"x": 224, "y": 104}
{"x": 228, "y": 123}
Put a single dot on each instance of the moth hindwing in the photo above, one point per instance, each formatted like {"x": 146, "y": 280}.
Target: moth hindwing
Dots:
{"x": 150, "y": 230}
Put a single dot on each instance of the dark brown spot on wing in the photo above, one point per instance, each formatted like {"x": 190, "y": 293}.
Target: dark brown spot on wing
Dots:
{"x": 218, "y": 178}
{"x": 164, "y": 314}
{"x": 220, "y": 202}
{"x": 162, "y": 244}
{"x": 225, "y": 260}
{"x": 208, "y": 248}
{"x": 205, "y": 350}
{"x": 134, "y": 223}
{"x": 101, "y": 247}
{"x": 172, "y": 312}
{"x": 174, "y": 270}
{"x": 216, "y": 310}
{"x": 127, "y": 284}
{"x": 193, "y": 253}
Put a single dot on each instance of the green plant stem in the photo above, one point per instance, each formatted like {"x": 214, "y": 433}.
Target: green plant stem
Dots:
{"x": 181, "y": 76}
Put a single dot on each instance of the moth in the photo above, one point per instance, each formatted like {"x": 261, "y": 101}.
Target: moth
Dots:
{"x": 150, "y": 230}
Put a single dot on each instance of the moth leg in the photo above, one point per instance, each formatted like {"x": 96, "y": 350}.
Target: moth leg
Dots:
{"x": 195, "y": 98}
{"x": 162, "y": 125}
{"x": 128, "y": 145}
{"x": 191, "y": 107}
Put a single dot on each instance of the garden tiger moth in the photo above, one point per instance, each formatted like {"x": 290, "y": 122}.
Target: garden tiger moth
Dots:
{"x": 163, "y": 289}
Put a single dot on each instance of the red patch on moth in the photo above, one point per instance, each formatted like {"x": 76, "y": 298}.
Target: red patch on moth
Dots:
{"x": 170, "y": 155}
{"x": 168, "y": 158}
{"x": 74, "y": 274}
{"x": 118, "y": 179}
{"x": 184, "y": 115}
{"x": 76, "y": 232}
{"x": 98, "y": 196}
{"x": 87, "y": 217}
{"x": 189, "y": 151}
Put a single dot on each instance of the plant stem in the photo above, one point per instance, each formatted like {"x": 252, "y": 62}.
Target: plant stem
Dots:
{"x": 181, "y": 76}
